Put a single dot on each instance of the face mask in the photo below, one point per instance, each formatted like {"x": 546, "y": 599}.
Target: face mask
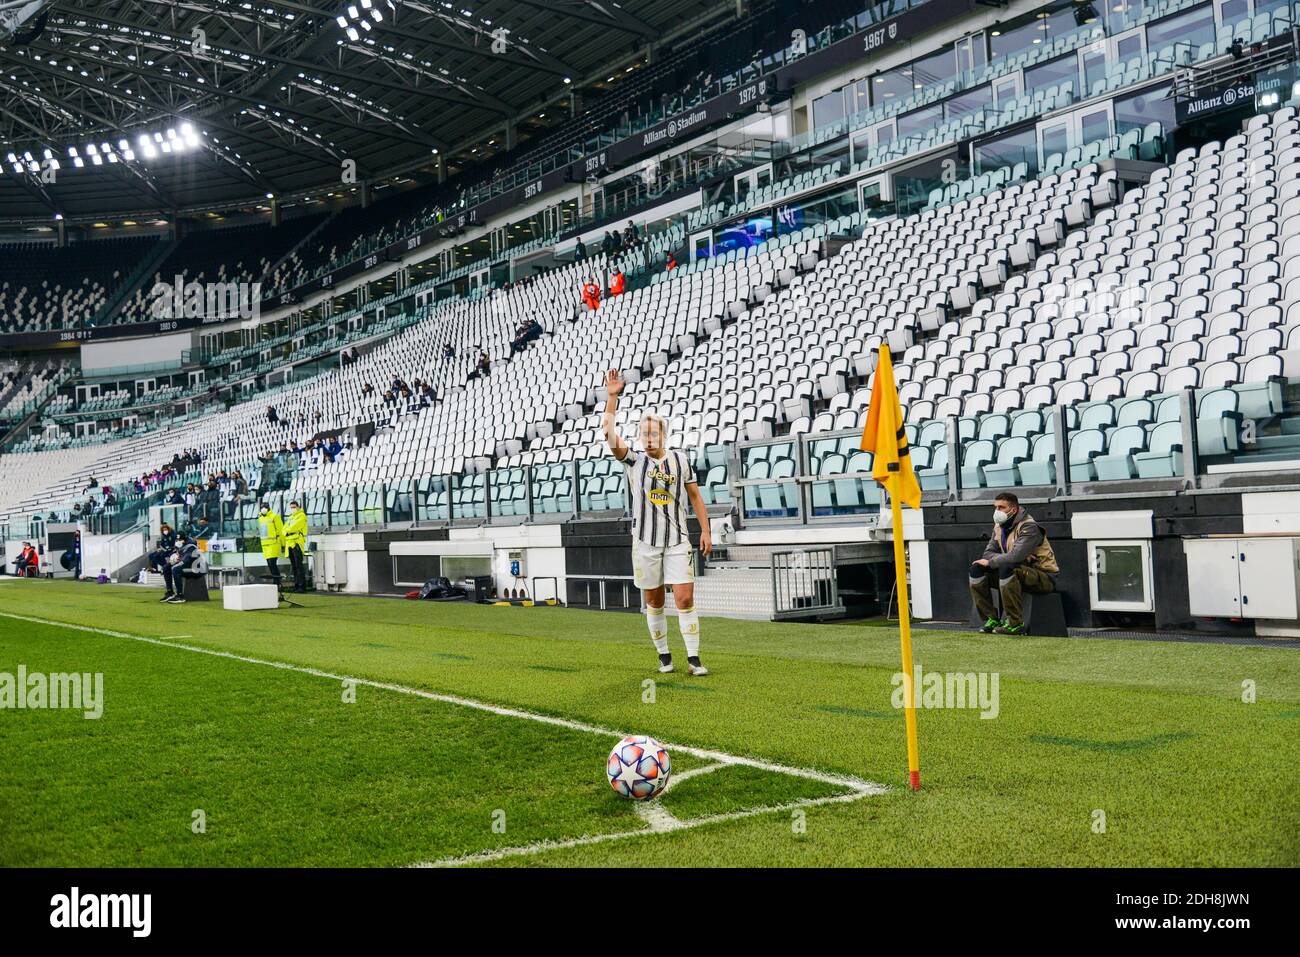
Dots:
{"x": 1000, "y": 518}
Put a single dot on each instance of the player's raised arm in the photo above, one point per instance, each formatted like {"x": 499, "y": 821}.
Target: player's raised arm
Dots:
{"x": 614, "y": 384}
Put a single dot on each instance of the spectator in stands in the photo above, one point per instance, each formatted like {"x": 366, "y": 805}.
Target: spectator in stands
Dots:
{"x": 591, "y": 293}
{"x": 617, "y": 283}
{"x": 191, "y": 495}
{"x": 91, "y": 485}
{"x": 448, "y": 352}
{"x": 607, "y": 244}
{"x": 529, "y": 330}
{"x": 174, "y": 497}
{"x": 579, "y": 251}
{"x": 630, "y": 235}
{"x": 1020, "y": 556}
{"x": 295, "y": 539}
{"x": 333, "y": 449}
{"x": 367, "y": 389}
{"x": 670, "y": 261}
{"x": 271, "y": 416}
{"x": 481, "y": 368}
{"x": 203, "y": 529}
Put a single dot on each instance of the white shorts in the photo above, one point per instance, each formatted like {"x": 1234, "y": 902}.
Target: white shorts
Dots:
{"x": 653, "y": 567}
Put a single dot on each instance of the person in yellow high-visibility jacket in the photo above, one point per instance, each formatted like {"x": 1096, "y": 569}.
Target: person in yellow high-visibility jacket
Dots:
{"x": 271, "y": 528}
{"x": 295, "y": 537}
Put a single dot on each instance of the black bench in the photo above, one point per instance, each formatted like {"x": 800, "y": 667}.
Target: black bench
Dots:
{"x": 194, "y": 587}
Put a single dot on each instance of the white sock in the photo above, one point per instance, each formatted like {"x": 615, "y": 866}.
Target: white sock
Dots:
{"x": 658, "y": 628}
{"x": 689, "y": 623}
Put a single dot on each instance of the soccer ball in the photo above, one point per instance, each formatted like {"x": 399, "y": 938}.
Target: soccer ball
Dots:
{"x": 638, "y": 767}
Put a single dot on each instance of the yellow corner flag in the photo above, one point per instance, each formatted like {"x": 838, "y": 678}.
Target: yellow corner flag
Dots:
{"x": 885, "y": 437}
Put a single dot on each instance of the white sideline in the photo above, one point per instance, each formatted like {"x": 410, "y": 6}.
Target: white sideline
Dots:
{"x": 658, "y": 819}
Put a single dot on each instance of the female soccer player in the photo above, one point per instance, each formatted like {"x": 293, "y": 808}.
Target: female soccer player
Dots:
{"x": 659, "y": 481}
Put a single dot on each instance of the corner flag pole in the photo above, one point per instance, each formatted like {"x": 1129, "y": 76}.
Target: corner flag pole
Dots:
{"x": 905, "y": 637}
{"x": 885, "y": 436}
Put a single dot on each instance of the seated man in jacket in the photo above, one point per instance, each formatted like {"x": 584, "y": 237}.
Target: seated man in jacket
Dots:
{"x": 1020, "y": 559}
{"x": 166, "y": 545}
{"x": 26, "y": 561}
{"x": 181, "y": 562}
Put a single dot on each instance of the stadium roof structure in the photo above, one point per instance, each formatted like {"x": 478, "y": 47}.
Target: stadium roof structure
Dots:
{"x": 277, "y": 94}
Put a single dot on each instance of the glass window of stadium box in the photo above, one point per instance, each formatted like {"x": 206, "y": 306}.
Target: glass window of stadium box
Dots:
{"x": 873, "y": 136}
{"x": 468, "y": 497}
{"x": 933, "y": 68}
{"x": 552, "y": 488}
{"x": 343, "y": 508}
{"x": 508, "y": 492}
{"x": 1053, "y": 73}
{"x": 769, "y": 488}
{"x": 828, "y": 109}
{"x": 431, "y": 499}
{"x": 1193, "y": 27}
{"x": 792, "y": 217}
{"x": 316, "y": 504}
{"x": 1008, "y": 149}
{"x": 840, "y": 476}
{"x": 711, "y": 471}
{"x": 398, "y": 503}
{"x": 1230, "y": 11}
{"x": 1248, "y": 424}
{"x": 965, "y": 104}
{"x": 913, "y": 185}
{"x": 601, "y": 485}
{"x": 1123, "y": 14}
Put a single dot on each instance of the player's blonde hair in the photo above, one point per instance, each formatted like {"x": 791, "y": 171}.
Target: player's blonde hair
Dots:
{"x": 658, "y": 420}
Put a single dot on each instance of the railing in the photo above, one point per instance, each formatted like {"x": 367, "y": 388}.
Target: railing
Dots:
{"x": 804, "y": 584}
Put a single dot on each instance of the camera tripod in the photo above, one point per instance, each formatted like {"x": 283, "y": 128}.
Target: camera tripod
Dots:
{"x": 278, "y": 581}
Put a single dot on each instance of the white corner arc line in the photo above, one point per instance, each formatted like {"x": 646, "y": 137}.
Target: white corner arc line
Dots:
{"x": 857, "y": 788}
{"x": 542, "y": 847}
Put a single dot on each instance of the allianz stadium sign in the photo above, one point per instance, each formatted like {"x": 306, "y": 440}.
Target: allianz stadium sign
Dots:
{"x": 1235, "y": 95}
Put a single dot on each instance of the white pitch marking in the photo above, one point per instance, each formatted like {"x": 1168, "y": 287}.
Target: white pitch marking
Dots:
{"x": 657, "y": 817}
{"x": 857, "y": 787}
{"x": 541, "y": 847}
{"x": 679, "y": 777}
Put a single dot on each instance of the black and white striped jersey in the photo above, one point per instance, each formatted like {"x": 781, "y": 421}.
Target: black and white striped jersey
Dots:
{"x": 657, "y": 494}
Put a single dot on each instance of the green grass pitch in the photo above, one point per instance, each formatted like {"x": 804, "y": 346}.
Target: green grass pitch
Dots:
{"x": 478, "y": 735}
